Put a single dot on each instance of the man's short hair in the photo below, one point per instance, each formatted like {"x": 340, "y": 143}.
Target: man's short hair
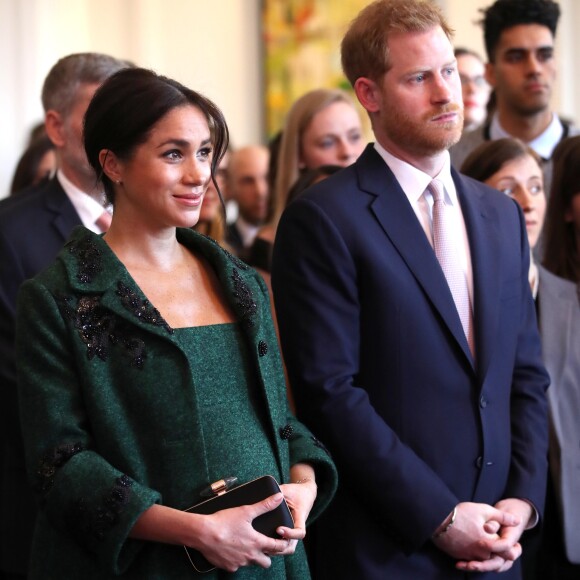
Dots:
{"x": 65, "y": 77}
{"x": 503, "y": 14}
{"x": 365, "y": 46}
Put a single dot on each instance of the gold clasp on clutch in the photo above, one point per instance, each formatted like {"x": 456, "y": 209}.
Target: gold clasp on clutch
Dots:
{"x": 219, "y": 487}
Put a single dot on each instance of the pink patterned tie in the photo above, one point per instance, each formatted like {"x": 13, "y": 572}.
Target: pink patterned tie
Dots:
{"x": 449, "y": 259}
{"x": 104, "y": 221}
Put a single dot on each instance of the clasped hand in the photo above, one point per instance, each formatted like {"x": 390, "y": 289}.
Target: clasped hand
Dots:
{"x": 485, "y": 538}
{"x": 229, "y": 541}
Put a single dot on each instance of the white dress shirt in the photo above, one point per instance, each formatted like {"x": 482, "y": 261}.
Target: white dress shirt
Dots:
{"x": 248, "y": 231}
{"x": 544, "y": 144}
{"x": 414, "y": 184}
{"x": 88, "y": 208}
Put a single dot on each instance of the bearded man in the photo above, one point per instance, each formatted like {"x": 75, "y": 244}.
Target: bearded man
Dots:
{"x": 409, "y": 331}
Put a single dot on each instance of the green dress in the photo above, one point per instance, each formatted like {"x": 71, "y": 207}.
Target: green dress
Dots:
{"x": 226, "y": 389}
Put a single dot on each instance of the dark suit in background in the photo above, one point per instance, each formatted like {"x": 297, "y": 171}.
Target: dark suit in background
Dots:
{"x": 381, "y": 370}
{"x": 33, "y": 227}
{"x": 234, "y": 239}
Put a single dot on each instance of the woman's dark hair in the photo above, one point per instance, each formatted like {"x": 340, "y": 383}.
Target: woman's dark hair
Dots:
{"x": 489, "y": 157}
{"x": 25, "y": 173}
{"x": 561, "y": 255}
{"x": 127, "y": 106}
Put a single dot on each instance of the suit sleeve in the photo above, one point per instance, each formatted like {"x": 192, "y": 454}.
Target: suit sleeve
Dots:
{"x": 11, "y": 276}
{"x": 316, "y": 293}
{"x": 529, "y": 467}
{"x": 78, "y": 490}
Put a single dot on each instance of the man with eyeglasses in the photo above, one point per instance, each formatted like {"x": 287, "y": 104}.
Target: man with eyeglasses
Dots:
{"x": 519, "y": 41}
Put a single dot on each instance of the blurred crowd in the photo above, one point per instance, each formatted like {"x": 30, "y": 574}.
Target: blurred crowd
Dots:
{"x": 512, "y": 140}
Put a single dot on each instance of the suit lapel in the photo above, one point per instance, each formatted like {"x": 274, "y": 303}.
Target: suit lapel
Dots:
{"x": 485, "y": 247}
{"x": 65, "y": 217}
{"x": 397, "y": 218}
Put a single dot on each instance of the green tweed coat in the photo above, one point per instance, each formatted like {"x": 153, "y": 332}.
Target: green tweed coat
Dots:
{"x": 110, "y": 418}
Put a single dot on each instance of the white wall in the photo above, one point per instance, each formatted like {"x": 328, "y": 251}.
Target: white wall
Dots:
{"x": 463, "y": 16}
{"x": 212, "y": 46}
{"x": 568, "y": 47}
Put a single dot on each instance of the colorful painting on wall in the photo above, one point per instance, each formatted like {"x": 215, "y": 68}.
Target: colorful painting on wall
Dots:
{"x": 302, "y": 50}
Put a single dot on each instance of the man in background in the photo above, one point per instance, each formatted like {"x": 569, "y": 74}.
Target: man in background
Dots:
{"x": 33, "y": 227}
{"x": 519, "y": 40}
{"x": 248, "y": 186}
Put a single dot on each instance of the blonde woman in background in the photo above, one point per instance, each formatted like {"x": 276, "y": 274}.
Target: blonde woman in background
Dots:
{"x": 323, "y": 127}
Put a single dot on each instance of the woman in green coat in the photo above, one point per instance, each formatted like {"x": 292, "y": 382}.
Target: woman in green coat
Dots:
{"x": 149, "y": 367}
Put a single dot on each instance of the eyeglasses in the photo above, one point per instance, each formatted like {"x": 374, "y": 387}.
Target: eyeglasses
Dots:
{"x": 478, "y": 81}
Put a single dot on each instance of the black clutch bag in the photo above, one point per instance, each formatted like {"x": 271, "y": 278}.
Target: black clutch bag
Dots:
{"x": 245, "y": 494}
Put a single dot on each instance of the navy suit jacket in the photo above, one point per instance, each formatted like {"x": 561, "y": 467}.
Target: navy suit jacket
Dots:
{"x": 381, "y": 370}
{"x": 34, "y": 226}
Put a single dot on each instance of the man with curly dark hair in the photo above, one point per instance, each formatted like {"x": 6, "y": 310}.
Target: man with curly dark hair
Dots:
{"x": 519, "y": 41}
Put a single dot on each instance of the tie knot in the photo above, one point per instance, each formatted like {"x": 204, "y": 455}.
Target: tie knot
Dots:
{"x": 437, "y": 190}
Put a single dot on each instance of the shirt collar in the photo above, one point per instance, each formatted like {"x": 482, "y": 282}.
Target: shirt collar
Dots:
{"x": 247, "y": 231}
{"x": 533, "y": 276}
{"x": 413, "y": 181}
{"x": 544, "y": 144}
{"x": 88, "y": 209}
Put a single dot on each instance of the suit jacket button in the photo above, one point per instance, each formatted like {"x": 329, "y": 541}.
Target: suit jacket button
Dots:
{"x": 483, "y": 402}
{"x": 479, "y": 462}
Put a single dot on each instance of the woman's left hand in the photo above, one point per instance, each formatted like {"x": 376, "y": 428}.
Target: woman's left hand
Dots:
{"x": 300, "y": 499}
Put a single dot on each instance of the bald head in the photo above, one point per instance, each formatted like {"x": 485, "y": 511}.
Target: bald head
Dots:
{"x": 248, "y": 182}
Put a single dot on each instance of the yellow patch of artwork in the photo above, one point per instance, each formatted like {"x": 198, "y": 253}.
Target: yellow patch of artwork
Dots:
{"x": 302, "y": 50}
